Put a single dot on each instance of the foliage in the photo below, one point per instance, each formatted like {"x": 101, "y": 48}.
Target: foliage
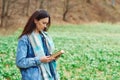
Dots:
{"x": 91, "y": 52}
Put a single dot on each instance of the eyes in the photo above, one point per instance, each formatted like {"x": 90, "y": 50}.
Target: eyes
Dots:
{"x": 45, "y": 23}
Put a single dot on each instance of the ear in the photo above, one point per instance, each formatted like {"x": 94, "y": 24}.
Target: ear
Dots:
{"x": 35, "y": 21}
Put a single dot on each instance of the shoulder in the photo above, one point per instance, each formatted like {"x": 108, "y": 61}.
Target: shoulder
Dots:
{"x": 24, "y": 38}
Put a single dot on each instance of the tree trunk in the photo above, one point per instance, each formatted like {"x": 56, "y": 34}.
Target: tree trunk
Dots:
{"x": 41, "y": 4}
{"x": 27, "y": 10}
{"x": 3, "y": 12}
{"x": 66, "y": 9}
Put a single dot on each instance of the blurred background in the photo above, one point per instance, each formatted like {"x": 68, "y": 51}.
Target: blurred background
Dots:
{"x": 87, "y": 30}
{"x": 16, "y": 12}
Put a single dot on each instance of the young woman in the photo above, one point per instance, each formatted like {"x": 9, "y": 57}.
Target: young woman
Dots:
{"x": 34, "y": 49}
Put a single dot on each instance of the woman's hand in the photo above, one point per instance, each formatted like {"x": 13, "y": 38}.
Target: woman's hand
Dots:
{"x": 46, "y": 59}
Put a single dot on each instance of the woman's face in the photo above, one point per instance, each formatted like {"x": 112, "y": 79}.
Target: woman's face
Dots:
{"x": 41, "y": 24}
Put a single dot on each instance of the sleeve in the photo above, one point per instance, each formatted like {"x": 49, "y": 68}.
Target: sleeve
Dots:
{"x": 21, "y": 60}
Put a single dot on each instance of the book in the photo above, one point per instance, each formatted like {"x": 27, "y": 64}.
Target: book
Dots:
{"x": 57, "y": 54}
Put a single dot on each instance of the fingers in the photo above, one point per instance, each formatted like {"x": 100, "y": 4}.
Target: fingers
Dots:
{"x": 46, "y": 59}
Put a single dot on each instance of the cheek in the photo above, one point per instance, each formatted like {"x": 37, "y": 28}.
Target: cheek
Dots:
{"x": 40, "y": 26}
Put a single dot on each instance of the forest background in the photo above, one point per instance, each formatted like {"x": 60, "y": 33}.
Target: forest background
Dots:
{"x": 17, "y": 12}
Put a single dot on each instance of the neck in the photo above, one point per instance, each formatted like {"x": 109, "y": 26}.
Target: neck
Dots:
{"x": 37, "y": 31}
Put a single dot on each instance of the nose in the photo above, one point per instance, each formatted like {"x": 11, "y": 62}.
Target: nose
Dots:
{"x": 45, "y": 25}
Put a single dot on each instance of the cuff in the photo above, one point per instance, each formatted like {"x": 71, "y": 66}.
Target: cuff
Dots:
{"x": 37, "y": 60}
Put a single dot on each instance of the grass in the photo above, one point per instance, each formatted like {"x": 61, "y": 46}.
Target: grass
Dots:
{"x": 91, "y": 52}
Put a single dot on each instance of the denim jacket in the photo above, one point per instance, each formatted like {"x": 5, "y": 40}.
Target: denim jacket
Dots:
{"x": 26, "y": 60}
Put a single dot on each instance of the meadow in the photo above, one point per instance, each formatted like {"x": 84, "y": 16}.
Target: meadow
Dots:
{"x": 92, "y": 52}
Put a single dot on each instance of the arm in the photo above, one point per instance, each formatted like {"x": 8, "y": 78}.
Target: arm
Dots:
{"x": 21, "y": 58}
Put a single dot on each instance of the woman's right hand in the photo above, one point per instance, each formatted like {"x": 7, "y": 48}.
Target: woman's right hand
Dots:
{"x": 46, "y": 59}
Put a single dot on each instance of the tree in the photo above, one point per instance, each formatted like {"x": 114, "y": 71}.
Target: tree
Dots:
{"x": 25, "y": 7}
{"x": 28, "y": 5}
{"x": 41, "y": 3}
{"x": 4, "y": 12}
{"x": 67, "y": 7}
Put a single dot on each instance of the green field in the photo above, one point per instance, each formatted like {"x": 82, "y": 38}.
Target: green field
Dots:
{"x": 92, "y": 52}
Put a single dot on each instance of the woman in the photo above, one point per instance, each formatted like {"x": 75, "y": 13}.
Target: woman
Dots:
{"x": 34, "y": 49}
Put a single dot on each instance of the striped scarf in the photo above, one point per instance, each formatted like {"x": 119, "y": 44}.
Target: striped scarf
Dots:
{"x": 39, "y": 51}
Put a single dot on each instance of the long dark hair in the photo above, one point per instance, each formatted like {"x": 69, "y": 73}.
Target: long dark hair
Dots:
{"x": 30, "y": 26}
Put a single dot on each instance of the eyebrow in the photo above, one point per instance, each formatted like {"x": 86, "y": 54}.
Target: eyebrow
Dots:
{"x": 45, "y": 22}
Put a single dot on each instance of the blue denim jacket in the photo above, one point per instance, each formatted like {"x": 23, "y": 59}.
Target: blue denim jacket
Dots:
{"x": 26, "y": 60}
